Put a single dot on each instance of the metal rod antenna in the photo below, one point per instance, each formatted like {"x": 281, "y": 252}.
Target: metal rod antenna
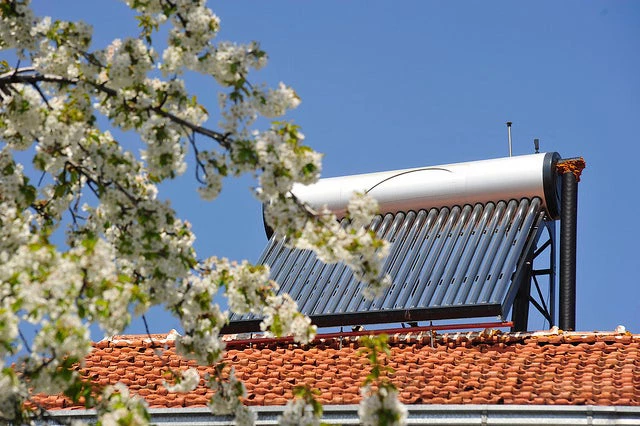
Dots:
{"x": 509, "y": 132}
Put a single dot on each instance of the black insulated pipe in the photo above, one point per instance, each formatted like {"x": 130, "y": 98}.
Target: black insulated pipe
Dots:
{"x": 568, "y": 239}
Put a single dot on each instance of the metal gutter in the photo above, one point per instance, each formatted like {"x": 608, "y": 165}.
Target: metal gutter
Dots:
{"x": 422, "y": 414}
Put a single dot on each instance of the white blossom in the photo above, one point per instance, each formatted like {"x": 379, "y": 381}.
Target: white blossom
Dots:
{"x": 245, "y": 284}
{"x": 187, "y": 381}
{"x": 130, "y": 61}
{"x": 119, "y": 407}
{"x": 11, "y": 395}
{"x": 362, "y": 208}
{"x": 244, "y": 416}
{"x": 23, "y": 117}
{"x": 298, "y": 412}
{"x": 281, "y": 318}
{"x": 226, "y": 399}
{"x": 15, "y": 27}
{"x": 381, "y": 407}
{"x": 276, "y": 102}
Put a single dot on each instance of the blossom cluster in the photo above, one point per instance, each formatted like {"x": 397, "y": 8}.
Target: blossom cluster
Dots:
{"x": 201, "y": 319}
{"x": 381, "y": 408}
{"x": 246, "y": 285}
{"x": 380, "y": 404}
{"x": 187, "y": 381}
{"x": 281, "y": 318}
{"x": 226, "y": 399}
{"x": 119, "y": 407}
{"x": 303, "y": 410}
{"x": 125, "y": 248}
{"x": 350, "y": 242}
{"x": 298, "y": 412}
{"x": 16, "y": 30}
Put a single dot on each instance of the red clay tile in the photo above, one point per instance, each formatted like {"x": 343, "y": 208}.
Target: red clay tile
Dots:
{"x": 570, "y": 368}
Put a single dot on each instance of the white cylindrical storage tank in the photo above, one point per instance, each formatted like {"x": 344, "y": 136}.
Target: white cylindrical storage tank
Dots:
{"x": 524, "y": 176}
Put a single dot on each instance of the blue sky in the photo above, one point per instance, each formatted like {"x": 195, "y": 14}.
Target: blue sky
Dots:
{"x": 388, "y": 85}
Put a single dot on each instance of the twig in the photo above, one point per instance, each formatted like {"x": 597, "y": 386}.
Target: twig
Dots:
{"x": 24, "y": 340}
{"x": 44, "y": 98}
{"x": 199, "y": 163}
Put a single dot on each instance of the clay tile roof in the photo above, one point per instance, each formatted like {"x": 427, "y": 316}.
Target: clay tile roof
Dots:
{"x": 459, "y": 368}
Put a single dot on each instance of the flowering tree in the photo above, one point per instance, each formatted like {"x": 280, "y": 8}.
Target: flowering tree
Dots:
{"x": 126, "y": 250}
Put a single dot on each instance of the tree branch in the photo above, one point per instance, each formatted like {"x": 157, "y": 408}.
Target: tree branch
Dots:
{"x": 28, "y": 75}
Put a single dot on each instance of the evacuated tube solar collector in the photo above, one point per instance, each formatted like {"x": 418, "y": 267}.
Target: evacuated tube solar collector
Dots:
{"x": 460, "y": 238}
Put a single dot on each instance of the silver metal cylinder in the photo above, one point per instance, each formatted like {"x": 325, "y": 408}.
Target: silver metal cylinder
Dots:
{"x": 524, "y": 176}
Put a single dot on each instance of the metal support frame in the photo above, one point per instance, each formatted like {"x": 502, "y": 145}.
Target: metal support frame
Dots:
{"x": 529, "y": 281}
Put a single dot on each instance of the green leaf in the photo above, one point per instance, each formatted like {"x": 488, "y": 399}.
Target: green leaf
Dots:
{"x": 9, "y": 169}
{"x": 276, "y": 326}
{"x": 309, "y": 169}
{"x": 60, "y": 190}
{"x": 89, "y": 243}
{"x": 29, "y": 193}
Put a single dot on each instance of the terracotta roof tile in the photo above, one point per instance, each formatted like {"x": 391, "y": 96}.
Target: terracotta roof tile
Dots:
{"x": 460, "y": 368}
